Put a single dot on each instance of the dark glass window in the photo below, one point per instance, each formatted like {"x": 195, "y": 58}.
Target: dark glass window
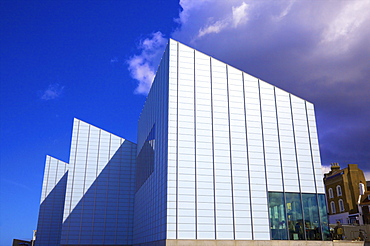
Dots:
{"x": 324, "y": 217}
{"x": 295, "y": 218}
{"x": 311, "y": 217}
{"x": 145, "y": 159}
{"x": 277, "y": 216}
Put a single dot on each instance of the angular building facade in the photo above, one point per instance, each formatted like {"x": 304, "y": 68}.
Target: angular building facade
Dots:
{"x": 53, "y": 194}
{"x": 221, "y": 155}
{"x": 97, "y": 203}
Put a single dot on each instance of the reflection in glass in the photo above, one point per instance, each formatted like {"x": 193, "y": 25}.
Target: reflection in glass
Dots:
{"x": 295, "y": 218}
{"x": 277, "y": 216}
{"x": 324, "y": 217}
{"x": 145, "y": 159}
{"x": 311, "y": 214}
{"x": 298, "y": 216}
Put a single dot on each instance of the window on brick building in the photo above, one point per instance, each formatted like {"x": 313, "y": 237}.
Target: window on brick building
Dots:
{"x": 339, "y": 190}
{"x": 332, "y": 206}
{"x": 331, "y": 194}
{"x": 341, "y": 205}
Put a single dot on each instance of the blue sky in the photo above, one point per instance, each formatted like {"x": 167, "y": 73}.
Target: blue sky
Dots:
{"x": 95, "y": 61}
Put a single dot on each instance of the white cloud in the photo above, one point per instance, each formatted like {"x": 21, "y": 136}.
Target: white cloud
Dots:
{"x": 240, "y": 14}
{"x": 234, "y": 17}
{"x": 349, "y": 18}
{"x": 187, "y": 7}
{"x": 325, "y": 169}
{"x": 345, "y": 27}
{"x": 214, "y": 28}
{"x": 285, "y": 11}
{"x": 142, "y": 67}
{"x": 52, "y": 92}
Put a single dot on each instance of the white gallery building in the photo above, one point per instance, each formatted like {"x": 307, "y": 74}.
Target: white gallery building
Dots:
{"x": 221, "y": 156}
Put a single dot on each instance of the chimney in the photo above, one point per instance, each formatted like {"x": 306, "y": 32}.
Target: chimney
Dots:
{"x": 334, "y": 166}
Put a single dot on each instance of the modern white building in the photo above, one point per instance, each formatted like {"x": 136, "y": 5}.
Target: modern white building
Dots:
{"x": 98, "y": 191}
{"x": 221, "y": 155}
{"x": 52, "y": 202}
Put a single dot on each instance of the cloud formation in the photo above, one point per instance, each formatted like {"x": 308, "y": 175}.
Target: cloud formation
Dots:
{"x": 237, "y": 16}
{"x": 142, "y": 67}
{"x": 212, "y": 28}
{"x": 317, "y": 50}
{"x": 325, "y": 169}
{"x": 52, "y": 92}
{"x": 240, "y": 14}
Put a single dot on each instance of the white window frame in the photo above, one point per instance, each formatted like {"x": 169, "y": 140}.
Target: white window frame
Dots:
{"x": 331, "y": 193}
{"x": 339, "y": 190}
{"x": 332, "y": 207}
{"x": 341, "y": 205}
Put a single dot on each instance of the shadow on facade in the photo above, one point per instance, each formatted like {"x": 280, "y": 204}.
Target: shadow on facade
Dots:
{"x": 51, "y": 214}
{"x": 104, "y": 215}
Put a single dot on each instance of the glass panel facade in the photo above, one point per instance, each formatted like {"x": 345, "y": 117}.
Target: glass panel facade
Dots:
{"x": 311, "y": 217}
{"x": 301, "y": 216}
{"x": 277, "y": 216}
{"x": 324, "y": 217}
{"x": 294, "y": 214}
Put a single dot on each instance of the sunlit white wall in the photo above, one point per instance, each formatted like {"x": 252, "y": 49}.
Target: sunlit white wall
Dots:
{"x": 231, "y": 139}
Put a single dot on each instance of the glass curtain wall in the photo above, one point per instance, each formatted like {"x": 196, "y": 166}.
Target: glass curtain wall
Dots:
{"x": 324, "y": 217}
{"x": 298, "y": 216}
{"x": 295, "y": 216}
{"x": 277, "y": 216}
{"x": 311, "y": 217}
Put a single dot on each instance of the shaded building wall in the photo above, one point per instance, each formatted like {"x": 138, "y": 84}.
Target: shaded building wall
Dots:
{"x": 98, "y": 208}
{"x": 150, "y": 198}
{"x": 52, "y": 202}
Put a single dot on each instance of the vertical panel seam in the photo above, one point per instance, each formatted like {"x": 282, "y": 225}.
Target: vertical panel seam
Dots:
{"x": 313, "y": 169}
{"x": 213, "y": 154}
{"x": 96, "y": 176}
{"x": 295, "y": 144}
{"x": 230, "y": 153}
{"x": 247, "y": 149}
{"x": 177, "y": 142}
{"x": 48, "y": 160}
{"x": 72, "y": 181}
{"x": 84, "y": 181}
{"x": 264, "y": 153}
{"x": 281, "y": 160}
{"x": 311, "y": 152}
{"x": 296, "y": 157}
{"x": 107, "y": 185}
{"x": 195, "y": 157}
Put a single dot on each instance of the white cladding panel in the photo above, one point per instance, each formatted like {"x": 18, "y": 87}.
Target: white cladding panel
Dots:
{"x": 155, "y": 197}
{"x": 54, "y": 171}
{"x": 232, "y": 138}
{"x": 100, "y": 174}
{"x": 52, "y": 202}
